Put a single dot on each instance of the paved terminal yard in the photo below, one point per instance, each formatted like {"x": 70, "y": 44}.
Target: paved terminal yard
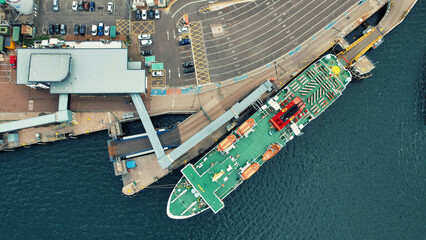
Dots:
{"x": 237, "y": 48}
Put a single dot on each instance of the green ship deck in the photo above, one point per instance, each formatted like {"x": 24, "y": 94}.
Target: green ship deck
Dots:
{"x": 206, "y": 183}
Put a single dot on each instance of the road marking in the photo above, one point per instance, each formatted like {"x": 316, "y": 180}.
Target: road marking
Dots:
{"x": 179, "y": 72}
{"x": 174, "y": 34}
{"x": 246, "y": 33}
{"x": 168, "y": 37}
{"x": 187, "y": 5}
{"x": 277, "y": 34}
{"x": 199, "y": 53}
{"x": 260, "y": 59}
{"x": 173, "y": 104}
{"x": 247, "y": 25}
{"x": 170, "y": 73}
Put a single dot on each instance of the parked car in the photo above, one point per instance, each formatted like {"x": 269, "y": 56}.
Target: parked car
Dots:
{"x": 144, "y": 36}
{"x": 143, "y": 14}
{"x": 146, "y": 53}
{"x": 157, "y": 14}
{"x": 106, "y": 32}
{"x": 63, "y": 29}
{"x": 12, "y": 61}
{"x": 157, "y": 73}
{"x": 94, "y": 30}
{"x": 80, "y": 5}
{"x": 55, "y": 5}
{"x": 184, "y": 42}
{"x": 183, "y": 37}
{"x": 182, "y": 29}
{"x": 92, "y": 6}
{"x": 86, "y": 6}
{"x": 151, "y": 14}
{"x": 188, "y": 64}
{"x": 110, "y": 7}
{"x": 188, "y": 70}
{"x": 146, "y": 42}
{"x": 82, "y": 30}
{"x": 138, "y": 15}
{"x": 57, "y": 28}
{"x": 101, "y": 29}
{"x": 51, "y": 29}
{"x": 74, "y": 5}
{"x": 76, "y": 29}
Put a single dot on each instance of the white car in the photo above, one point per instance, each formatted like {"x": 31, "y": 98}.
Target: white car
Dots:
{"x": 106, "y": 31}
{"x": 157, "y": 14}
{"x": 146, "y": 42}
{"x": 143, "y": 14}
{"x": 144, "y": 36}
{"x": 183, "y": 30}
{"x": 74, "y": 5}
{"x": 94, "y": 30}
{"x": 157, "y": 73}
{"x": 110, "y": 7}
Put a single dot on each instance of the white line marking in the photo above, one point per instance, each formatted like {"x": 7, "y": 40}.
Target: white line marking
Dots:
{"x": 187, "y": 5}
{"x": 280, "y": 32}
{"x": 260, "y": 59}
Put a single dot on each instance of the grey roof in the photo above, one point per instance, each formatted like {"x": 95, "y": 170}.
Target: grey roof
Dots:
{"x": 92, "y": 71}
{"x": 47, "y": 67}
{"x": 235, "y": 110}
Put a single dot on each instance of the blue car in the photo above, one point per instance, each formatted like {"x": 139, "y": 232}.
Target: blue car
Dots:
{"x": 101, "y": 29}
{"x": 184, "y": 42}
{"x": 92, "y": 6}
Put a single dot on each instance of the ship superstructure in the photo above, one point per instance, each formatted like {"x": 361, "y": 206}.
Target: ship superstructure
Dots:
{"x": 235, "y": 159}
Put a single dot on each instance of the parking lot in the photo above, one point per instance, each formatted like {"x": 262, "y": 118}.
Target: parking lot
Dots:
{"x": 226, "y": 44}
{"x": 67, "y": 16}
{"x": 229, "y": 43}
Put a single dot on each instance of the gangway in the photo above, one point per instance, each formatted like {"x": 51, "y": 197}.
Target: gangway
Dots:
{"x": 354, "y": 51}
{"x": 234, "y": 112}
{"x": 146, "y": 121}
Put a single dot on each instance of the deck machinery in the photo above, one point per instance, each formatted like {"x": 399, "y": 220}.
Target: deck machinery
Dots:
{"x": 206, "y": 183}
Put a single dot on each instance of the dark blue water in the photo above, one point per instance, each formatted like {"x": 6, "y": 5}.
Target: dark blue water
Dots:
{"x": 358, "y": 172}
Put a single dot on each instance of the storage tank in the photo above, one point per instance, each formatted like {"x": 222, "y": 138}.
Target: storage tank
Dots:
{"x": 23, "y": 6}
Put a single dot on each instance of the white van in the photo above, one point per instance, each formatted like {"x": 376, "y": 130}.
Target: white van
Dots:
{"x": 55, "y": 5}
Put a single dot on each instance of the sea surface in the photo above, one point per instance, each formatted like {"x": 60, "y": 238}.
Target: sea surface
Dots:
{"x": 358, "y": 172}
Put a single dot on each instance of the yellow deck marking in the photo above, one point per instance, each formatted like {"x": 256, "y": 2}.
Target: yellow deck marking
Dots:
{"x": 199, "y": 51}
{"x": 122, "y": 26}
{"x": 140, "y": 27}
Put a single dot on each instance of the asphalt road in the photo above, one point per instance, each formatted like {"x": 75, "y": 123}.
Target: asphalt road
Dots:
{"x": 256, "y": 33}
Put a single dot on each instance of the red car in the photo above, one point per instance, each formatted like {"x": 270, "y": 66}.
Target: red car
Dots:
{"x": 12, "y": 61}
{"x": 86, "y": 6}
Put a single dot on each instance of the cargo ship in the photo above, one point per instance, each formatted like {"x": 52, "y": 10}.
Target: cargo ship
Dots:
{"x": 240, "y": 155}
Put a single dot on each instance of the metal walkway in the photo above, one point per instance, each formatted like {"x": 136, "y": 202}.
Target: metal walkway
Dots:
{"x": 141, "y": 145}
{"x": 147, "y": 124}
{"x": 353, "y": 52}
{"x": 63, "y": 115}
{"x": 234, "y": 112}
